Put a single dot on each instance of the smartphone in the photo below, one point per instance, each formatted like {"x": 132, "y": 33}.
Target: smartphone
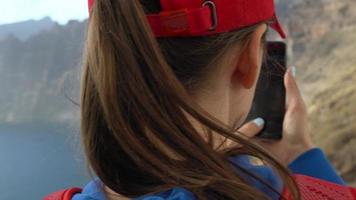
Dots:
{"x": 270, "y": 95}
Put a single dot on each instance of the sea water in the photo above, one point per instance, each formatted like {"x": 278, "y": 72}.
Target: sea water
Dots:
{"x": 37, "y": 160}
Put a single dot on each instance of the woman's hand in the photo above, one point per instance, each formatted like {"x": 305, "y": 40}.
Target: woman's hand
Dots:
{"x": 296, "y": 132}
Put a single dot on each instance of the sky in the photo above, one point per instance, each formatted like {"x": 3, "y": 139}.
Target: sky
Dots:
{"x": 59, "y": 10}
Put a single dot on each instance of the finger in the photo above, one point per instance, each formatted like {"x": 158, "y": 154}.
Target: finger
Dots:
{"x": 293, "y": 95}
{"x": 252, "y": 128}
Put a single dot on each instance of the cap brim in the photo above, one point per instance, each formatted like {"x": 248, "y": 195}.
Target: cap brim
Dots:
{"x": 277, "y": 27}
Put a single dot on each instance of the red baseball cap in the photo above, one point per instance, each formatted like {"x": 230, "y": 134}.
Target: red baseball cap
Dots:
{"x": 188, "y": 18}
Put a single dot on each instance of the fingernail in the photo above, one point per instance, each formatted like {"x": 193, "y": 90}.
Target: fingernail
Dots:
{"x": 259, "y": 121}
{"x": 294, "y": 71}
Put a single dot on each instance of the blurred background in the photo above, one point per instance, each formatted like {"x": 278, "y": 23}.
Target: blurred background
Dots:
{"x": 41, "y": 44}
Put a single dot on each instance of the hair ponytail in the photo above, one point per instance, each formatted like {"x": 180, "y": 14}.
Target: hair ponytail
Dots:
{"x": 134, "y": 107}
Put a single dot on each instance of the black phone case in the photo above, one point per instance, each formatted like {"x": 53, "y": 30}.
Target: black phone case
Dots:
{"x": 269, "y": 99}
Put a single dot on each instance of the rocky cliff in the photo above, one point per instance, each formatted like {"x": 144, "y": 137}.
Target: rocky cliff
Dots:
{"x": 323, "y": 40}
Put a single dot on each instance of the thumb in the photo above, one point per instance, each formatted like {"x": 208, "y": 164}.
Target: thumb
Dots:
{"x": 252, "y": 128}
{"x": 293, "y": 95}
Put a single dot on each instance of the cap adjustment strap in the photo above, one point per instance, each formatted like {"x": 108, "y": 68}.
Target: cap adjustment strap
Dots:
{"x": 184, "y": 21}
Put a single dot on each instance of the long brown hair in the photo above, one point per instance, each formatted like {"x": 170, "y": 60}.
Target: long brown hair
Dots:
{"x": 135, "y": 98}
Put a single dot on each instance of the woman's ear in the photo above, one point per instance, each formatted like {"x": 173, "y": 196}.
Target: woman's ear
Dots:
{"x": 250, "y": 59}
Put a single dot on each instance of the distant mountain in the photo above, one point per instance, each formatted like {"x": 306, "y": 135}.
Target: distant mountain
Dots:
{"x": 24, "y": 30}
{"x": 37, "y": 75}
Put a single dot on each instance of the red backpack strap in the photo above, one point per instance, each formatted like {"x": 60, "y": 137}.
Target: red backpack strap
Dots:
{"x": 63, "y": 194}
{"x": 317, "y": 189}
{"x": 353, "y": 191}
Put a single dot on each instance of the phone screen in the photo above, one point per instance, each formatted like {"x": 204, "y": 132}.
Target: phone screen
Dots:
{"x": 269, "y": 99}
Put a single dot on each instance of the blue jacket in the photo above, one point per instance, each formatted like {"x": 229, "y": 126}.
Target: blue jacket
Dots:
{"x": 305, "y": 164}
